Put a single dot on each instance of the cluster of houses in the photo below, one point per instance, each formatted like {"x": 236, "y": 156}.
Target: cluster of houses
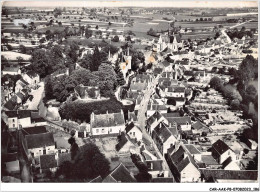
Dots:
{"x": 15, "y": 94}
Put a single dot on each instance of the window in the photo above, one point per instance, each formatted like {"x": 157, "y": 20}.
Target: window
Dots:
{"x": 96, "y": 130}
{"x": 13, "y": 125}
{"x": 133, "y": 133}
{"x": 13, "y": 120}
{"x": 103, "y": 130}
{"x": 110, "y": 130}
{"x": 228, "y": 152}
{"x": 48, "y": 148}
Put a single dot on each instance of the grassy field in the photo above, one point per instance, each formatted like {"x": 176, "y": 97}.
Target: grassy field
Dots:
{"x": 52, "y": 29}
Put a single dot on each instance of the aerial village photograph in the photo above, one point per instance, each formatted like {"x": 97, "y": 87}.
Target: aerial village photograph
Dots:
{"x": 129, "y": 92}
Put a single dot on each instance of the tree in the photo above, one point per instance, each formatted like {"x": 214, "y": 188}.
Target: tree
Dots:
{"x": 115, "y": 38}
{"x": 251, "y": 90}
{"x": 80, "y": 110}
{"x": 128, "y": 38}
{"x": 41, "y": 63}
{"x": 22, "y": 49}
{"x": 86, "y": 61}
{"x": 96, "y": 60}
{"x": 119, "y": 75}
{"x": 152, "y": 32}
{"x": 107, "y": 80}
{"x": 84, "y": 77}
{"x": 215, "y": 83}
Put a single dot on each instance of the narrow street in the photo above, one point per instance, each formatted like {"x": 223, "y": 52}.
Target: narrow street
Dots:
{"x": 142, "y": 120}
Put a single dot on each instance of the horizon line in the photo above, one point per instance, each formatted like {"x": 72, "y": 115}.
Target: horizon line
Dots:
{"x": 127, "y": 3}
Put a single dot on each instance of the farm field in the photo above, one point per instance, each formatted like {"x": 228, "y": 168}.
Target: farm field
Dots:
{"x": 52, "y": 29}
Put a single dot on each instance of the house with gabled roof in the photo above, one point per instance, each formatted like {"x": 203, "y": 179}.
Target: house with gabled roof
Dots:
{"x": 125, "y": 144}
{"x": 182, "y": 123}
{"x": 152, "y": 108}
{"x": 120, "y": 175}
{"x": 31, "y": 77}
{"x": 182, "y": 164}
{"x": 154, "y": 120}
{"x": 11, "y": 104}
{"x": 163, "y": 138}
{"x": 133, "y": 130}
{"x": 107, "y": 124}
{"x": 16, "y": 119}
{"x": 221, "y": 151}
{"x": 20, "y": 85}
{"x": 176, "y": 91}
{"x": 199, "y": 128}
{"x": 40, "y": 144}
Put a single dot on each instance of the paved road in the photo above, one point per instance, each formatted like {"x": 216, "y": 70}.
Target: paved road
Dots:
{"x": 141, "y": 117}
{"x": 37, "y": 97}
{"x": 142, "y": 120}
{"x": 224, "y": 30}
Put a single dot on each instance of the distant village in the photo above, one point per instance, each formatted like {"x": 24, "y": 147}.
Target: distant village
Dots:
{"x": 86, "y": 98}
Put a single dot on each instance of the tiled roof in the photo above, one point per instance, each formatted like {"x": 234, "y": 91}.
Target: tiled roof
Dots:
{"x": 39, "y": 140}
{"x": 20, "y": 114}
{"x": 165, "y": 63}
{"x": 192, "y": 149}
{"x": 138, "y": 86}
{"x": 48, "y": 161}
{"x": 157, "y": 71}
{"x": 34, "y": 130}
{"x": 198, "y": 125}
{"x": 208, "y": 160}
{"x": 11, "y": 104}
{"x": 123, "y": 140}
{"x": 120, "y": 174}
{"x": 162, "y": 132}
{"x": 108, "y": 120}
{"x": 156, "y": 107}
{"x": 179, "y": 120}
{"x": 130, "y": 126}
{"x": 220, "y": 146}
{"x": 226, "y": 162}
{"x": 229, "y": 174}
{"x": 168, "y": 115}
{"x": 176, "y": 89}
{"x": 32, "y": 74}
{"x": 20, "y": 95}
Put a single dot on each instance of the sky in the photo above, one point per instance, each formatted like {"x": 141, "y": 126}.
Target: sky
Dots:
{"x": 135, "y": 3}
